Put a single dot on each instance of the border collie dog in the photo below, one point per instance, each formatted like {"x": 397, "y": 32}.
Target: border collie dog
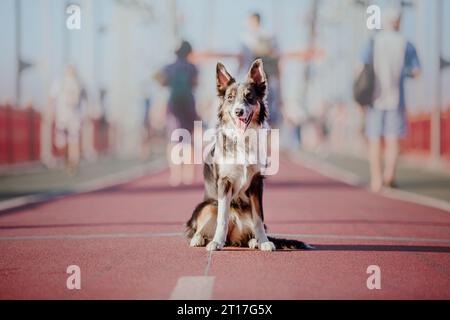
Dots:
{"x": 232, "y": 210}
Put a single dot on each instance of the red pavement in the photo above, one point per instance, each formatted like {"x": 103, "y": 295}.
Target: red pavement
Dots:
{"x": 127, "y": 243}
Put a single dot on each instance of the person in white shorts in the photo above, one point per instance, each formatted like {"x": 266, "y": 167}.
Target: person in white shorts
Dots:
{"x": 394, "y": 59}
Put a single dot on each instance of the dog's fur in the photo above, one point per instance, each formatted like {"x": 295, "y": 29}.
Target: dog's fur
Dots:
{"x": 232, "y": 211}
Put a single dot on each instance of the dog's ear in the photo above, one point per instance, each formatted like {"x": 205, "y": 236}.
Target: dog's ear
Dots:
{"x": 223, "y": 79}
{"x": 258, "y": 78}
{"x": 256, "y": 73}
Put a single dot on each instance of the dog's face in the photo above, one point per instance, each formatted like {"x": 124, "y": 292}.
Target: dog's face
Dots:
{"x": 242, "y": 104}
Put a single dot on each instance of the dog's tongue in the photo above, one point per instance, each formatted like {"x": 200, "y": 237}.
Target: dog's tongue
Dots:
{"x": 241, "y": 125}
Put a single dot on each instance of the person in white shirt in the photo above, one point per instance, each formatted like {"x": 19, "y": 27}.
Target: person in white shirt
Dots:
{"x": 394, "y": 59}
{"x": 66, "y": 97}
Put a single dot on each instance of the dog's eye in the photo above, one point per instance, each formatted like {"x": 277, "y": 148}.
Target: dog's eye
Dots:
{"x": 230, "y": 98}
{"x": 249, "y": 97}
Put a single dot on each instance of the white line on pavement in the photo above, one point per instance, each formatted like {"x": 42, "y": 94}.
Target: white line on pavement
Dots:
{"x": 209, "y": 258}
{"x": 208, "y": 263}
{"x": 93, "y": 236}
{"x": 193, "y": 288}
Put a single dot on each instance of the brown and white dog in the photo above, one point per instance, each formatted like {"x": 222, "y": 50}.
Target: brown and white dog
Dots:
{"x": 232, "y": 210}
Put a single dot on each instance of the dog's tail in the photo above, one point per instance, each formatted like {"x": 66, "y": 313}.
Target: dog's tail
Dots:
{"x": 290, "y": 244}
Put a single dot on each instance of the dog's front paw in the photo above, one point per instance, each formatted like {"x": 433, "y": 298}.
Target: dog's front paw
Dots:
{"x": 197, "y": 241}
{"x": 267, "y": 246}
{"x": 214, "y": 246}
{"x": 253, "y": 243}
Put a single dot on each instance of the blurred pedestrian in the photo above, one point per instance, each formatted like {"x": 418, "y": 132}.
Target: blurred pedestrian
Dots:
{"x": 103, "y": 119}
{"x": 258, "y": 43}
{"x": 393, "y": 58}
{"x": 46, "y": 135}
{"x": 146, "y": 128}
{"x": 181, "y": 77}
{"x": 67, "y": 95}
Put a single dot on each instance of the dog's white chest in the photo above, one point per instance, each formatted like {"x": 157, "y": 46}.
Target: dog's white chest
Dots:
{"x": 239, "y": 163}
{"x": 240, "y": 177}
{"x": 247, "y": 173}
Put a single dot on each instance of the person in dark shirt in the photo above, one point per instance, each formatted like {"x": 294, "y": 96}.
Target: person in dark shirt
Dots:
{"x": 181, "y": 79}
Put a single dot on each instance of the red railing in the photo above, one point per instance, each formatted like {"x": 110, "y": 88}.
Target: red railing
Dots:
{"x": 418, "y": 140}
{"x": 20, "y": 137}
{"x": 445, "y": 134}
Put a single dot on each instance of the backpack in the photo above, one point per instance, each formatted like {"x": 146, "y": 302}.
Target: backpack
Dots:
{"x": 364, "y": 85}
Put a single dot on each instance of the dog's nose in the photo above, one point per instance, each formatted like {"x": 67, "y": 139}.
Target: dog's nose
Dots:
{"x": 239, "y": 112}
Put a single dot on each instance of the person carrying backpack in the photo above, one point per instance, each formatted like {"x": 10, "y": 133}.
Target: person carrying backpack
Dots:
{"x": 392, "y": 59}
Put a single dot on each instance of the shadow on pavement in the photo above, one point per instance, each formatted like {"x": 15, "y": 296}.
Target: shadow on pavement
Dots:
{"x": 354, "y": 247}
{"x": 370, "y": 247}
{"x": 356, "y": 221}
